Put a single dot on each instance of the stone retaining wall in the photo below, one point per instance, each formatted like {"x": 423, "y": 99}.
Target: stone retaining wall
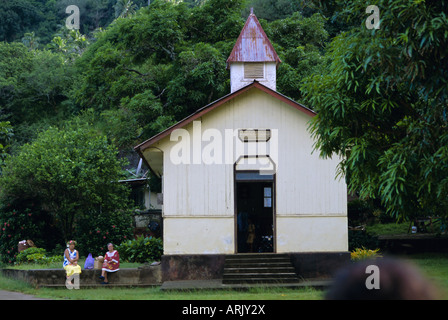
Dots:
{"x": 142, "y": 276}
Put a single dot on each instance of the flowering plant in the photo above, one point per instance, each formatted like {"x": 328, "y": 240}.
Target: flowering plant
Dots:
{"x": 95, "y": 230}
{"x": 71, "y": 242}
{"x": 16, "y": 225}
{"x": 363, "y": 253}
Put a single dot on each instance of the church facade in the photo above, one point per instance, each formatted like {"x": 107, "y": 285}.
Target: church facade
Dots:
{"x": 241, "y": 175}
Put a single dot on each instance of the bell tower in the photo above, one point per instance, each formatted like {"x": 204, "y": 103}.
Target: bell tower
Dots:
{"x": 253, "y": 57}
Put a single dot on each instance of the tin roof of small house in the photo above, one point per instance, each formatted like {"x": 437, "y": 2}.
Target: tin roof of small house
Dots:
{"x": 202, "y": 111}
{"x": 253, "y": 45}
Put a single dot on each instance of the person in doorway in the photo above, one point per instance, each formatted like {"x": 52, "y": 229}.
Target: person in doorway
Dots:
{"x": 111, "y": 263}
{"x": 250, "y": 236}
{"x": 242, "y": 230}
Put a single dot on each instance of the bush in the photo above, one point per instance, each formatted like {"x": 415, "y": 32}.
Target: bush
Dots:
{"x": 363, "y": 254}
{"x": 17, "y": 224}
{"x": 359, "y": 212}
{"x": 36, "y": 255}
{"x": 140, "y": 250}
{"x": 67, "y": 172}
{"x": 94, "y": 231}
{"x": 361, "y": 239}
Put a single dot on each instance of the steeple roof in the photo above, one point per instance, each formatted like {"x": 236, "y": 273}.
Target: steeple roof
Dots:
{"x": 253, "y": 45}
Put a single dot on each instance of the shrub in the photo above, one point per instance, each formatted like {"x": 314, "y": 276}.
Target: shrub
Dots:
{"x": 17, "y": 224}
{"x": 36, "y": 255}
{"x": 363, "y": 254}
{"x": 68, "y": 172}
{"x": 359, "y": 212}
{"x": 94, "y": 231}
{"x": 142, "y": 249}
{"x": 361, "y": 239}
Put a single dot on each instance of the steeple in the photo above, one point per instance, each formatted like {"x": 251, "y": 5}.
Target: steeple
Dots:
{"x": 253, "y": 57}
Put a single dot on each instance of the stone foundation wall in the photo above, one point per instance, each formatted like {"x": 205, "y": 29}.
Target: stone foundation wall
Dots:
{"x": 211, "y": 266}
{"x": 142, "y": 276}
{"x": 192, "y": 267}
{"x": 319, "y": 264}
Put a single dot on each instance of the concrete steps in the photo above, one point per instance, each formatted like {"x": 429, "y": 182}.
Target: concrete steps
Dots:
{"x": 259, "y": 268}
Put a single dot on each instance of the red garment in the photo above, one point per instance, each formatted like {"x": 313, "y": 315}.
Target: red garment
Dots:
{"x": 111, "y": 261}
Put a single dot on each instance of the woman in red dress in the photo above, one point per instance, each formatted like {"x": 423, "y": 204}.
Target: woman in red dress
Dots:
{"x": 111, "y": 263}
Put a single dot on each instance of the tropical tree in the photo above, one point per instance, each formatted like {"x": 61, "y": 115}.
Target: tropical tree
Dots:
{"x": 382, "y": 105}
{"x": 163, "y": 63}
{"x": 71, "y": 173}
{"x": 124, "y": 8}
{"x": 34, "y": 88}
{"x": 30, "y": 40}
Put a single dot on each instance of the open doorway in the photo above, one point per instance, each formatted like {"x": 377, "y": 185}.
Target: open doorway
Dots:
{"x": 254, "y": 213}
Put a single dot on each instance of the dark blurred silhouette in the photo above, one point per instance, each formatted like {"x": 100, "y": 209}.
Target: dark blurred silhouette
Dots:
{"x": 398, "y": 280}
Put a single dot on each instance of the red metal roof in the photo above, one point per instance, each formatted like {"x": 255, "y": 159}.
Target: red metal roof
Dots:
{"x": 253, "y": 45}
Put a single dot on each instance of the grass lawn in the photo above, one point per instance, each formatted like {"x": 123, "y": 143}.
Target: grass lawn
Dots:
{"x": 154, "y": 293}
{"x": 388, "y": 228}
{"x": 434, "y": 266}
{"x": 393, "y": 228}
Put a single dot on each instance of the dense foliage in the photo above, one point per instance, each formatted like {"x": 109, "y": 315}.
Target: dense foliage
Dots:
{"x": 38, "y": 256}
{"x": 71, "y": 174}
{"x": 22, "y": 224}
{"x": 156, "y": 67}
{"x": 142, "y": 249}
{"x": 45, "y": 17}
{"x": 96, "y": 229}
{"x": 382, "y": 105}
{"x": 73, "y": 102}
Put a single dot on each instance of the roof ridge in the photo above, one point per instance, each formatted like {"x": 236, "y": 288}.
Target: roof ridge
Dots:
{"x": 198, "y": 113}
{"x": 248, "y": 49}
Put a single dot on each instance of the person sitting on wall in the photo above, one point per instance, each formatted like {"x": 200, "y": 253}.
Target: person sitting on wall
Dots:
{"x": 111, "y": 263}
{"x": 71, "y": 258}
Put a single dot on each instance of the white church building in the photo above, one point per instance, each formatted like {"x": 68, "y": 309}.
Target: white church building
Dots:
{"x": 241, "y": 175}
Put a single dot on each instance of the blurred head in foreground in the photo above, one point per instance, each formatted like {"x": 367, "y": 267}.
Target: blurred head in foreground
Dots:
{"x": 395, "y": 280}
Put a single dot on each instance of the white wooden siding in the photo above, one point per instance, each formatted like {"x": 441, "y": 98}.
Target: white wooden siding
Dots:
{"x": 305, "y": 183}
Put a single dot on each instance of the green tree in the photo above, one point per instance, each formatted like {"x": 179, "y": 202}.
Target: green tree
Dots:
{"x": 299, "y": 42}
{"x": 271, "y": 10}
{"x": 124, "y": 8}
{"x": 94, "y": 14}
{"x": 71, "y": 173}
{"x": 166, "y": 61}
{"x": 35, "y": 86}
{"x": 18, "y": 223}
{"x": 215, "y": 21}
{"x": 18, "y": 17}
{"x": 146, "y": 71}
{"x": 382, "y": 105}
{"x": 30, "y": 40}
{"x": 6, "y": 135}
{"x": 69, "y": 42}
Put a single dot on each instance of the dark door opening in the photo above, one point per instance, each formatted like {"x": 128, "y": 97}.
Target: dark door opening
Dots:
{"x": 255, "y": 216}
